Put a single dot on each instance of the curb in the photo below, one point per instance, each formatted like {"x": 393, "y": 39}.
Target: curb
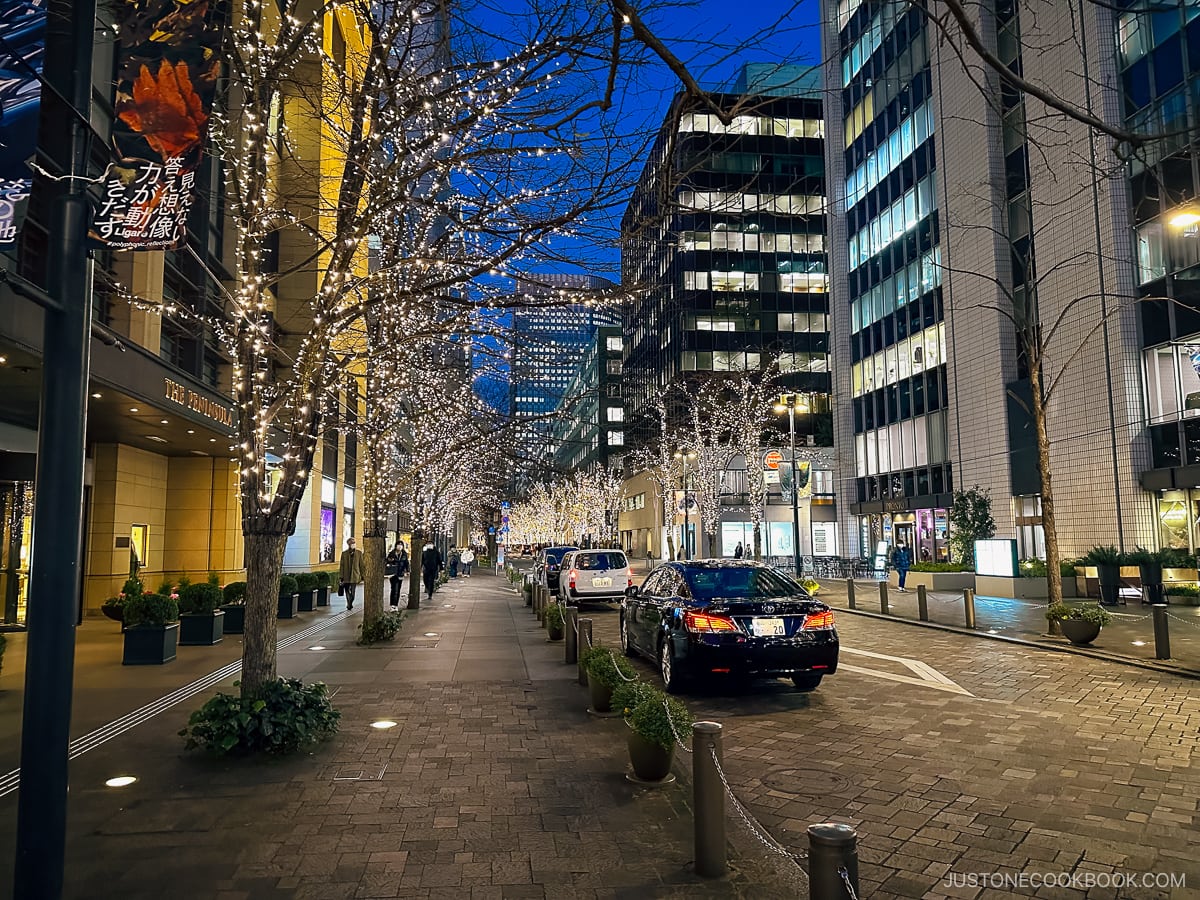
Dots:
{"x": 1147, "y": 664}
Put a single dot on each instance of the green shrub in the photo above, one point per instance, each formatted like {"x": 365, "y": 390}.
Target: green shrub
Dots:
{"x": 527, "y": 588}
{"x": 1183, "y": 590}
{"x": 166, "y": 586}
{"x": 1140, "y": 556}
{"x": 1090, "y": 612}
{"x": 940, "y": 567}
{"x": 289, "y": 716}
{"x": 133, "y": 587}
{"x": 1032, "y": 568}
{"x": 306, "y": 581}
{"x": 287, "y": 585}
{"x": 199, "y": 599}
{"x": 324, "y": 579}
{"x": 184, "y": 581}
{"x": 1066, "y": 567}
{"x": 150, "y": 609}
{"x": 628, "y": 695}
{"x": 554, "y": 616}
{"x": 382, "y": 629}
{"x": 1104, "y": 556}
{"x": 235, "y": 592}
{"x": 607, "y": 667}
{"x": 661, "y": 720}
{"x": 1177, "y": 558}
{"x": 214, "y": 580}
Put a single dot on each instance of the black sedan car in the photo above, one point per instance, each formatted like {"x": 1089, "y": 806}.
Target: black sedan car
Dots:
{"x": 547, "y": 565}
{"x": 728, "y": 617}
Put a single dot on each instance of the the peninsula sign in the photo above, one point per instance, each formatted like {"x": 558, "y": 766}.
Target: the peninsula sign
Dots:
{"x": 210, "y": 409}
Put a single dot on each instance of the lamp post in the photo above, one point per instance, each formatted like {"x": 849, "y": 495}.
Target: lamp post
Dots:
{"x": 684, "y": 458}
{"x": 787, "y": 403}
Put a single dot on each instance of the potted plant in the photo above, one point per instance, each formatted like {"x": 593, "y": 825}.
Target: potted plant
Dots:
{"x": 201, "y": 623}
{"x": 527, "y": 590}
{"x": 1186, "y": 594}
{"x": 605, "y": 671}
{"x": 151, "y": 629}
{"x": 1150, "y": 571}
{"x": 306, "y": 584}
{"x": 1080, "y": 624}
{"x": 1107, "y": 560}
{"x": 656, "y": 722}
{"x": 234, "y": 607}
{"x": 323, "y": 581}
{"x": 288, "y": 599}
{"x": 554, "y": 621}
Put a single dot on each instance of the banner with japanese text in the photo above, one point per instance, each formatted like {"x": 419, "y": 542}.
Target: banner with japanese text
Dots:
{"x": 22, "y": 50}
{"x": 166, "y": 76}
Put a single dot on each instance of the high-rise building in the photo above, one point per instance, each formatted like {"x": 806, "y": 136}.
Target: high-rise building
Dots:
{"x": 959, "y": 203}
{"x": 723, "y": 242}
{"x": 589, "y": 429}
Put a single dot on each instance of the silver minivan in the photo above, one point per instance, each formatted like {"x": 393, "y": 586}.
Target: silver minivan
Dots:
{"x": 593, "y": 576}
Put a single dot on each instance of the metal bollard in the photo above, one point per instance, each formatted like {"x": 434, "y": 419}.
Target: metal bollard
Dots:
{"x": 883, "y": 598}
{"x": 708, "y": 800}
{"x": 922, "y": 604}
{"x": 585, "y": 641}
{"x": 969, "y": 606}
{"x": 1162, "y": 635}
{"x": 570, "y": 623}
{"x": 850, "y": 593}
{"x": 832, "y": 850}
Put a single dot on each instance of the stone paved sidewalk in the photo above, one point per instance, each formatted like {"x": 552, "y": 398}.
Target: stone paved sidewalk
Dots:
{"x": 494, "y": 784}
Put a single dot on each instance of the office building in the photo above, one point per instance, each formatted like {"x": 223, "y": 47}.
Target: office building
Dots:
{"x": 589, "y": 427}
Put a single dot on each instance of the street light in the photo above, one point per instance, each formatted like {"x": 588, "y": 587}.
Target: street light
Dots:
{"x": 788, "y": 403}
{"x": 684, "y": 458}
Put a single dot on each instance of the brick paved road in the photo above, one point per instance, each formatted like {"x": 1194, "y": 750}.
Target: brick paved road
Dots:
{"x": 1058, "y": 763}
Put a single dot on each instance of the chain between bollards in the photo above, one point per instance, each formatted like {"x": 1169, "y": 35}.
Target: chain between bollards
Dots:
{"x": 708, "y": 800}
{"x": 832, "y": 862}
{"x": 1162, "y": 633}
{"x": 850, "y": 593}
{"x": 922, "y": 604}
{"x": 585, "y": 642}
{"x": 969, "y": 606}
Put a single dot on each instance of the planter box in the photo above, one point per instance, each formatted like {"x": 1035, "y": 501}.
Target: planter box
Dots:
{"x": 201, "y": 630}
{"x": 322, "y": 596}
{"x": 150, "y": 645}
{"x": 1020, "y": 588}
{"x": 306, "y": 601}
{"x": 935, "y": 581}
{"x": 289, "y": 605}
{"x": 1188, "y": 576}
{"x": 235, "y": 618}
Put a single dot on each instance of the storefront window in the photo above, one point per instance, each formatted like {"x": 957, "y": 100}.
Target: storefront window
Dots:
{"x": 1173, "y": 519}
{"x": 16, "y": 527}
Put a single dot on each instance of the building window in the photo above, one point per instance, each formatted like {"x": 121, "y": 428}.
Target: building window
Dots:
{"x": 614, "y": 343}
{"x": 616, "y": 438}
{"x": 616, "y": 414}
{"x": 613, "y": 367}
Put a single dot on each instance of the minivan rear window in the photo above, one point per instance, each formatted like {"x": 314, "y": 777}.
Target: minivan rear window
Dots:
{"x": 607, "y": 559}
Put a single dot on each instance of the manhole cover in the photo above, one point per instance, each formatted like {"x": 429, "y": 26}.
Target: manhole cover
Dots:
{"x": 805, "y": 781}
{"x": 421, "y": 645}
{"x": 358, "y": 773}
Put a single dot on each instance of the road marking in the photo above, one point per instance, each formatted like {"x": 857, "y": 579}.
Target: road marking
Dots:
{"x": 924, "y": 675}
{"x": 97, "y": 736}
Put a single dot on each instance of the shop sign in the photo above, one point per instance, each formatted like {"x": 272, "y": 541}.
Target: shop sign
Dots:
{"x": 167, "y": 70}
{"x": 895, "y": 506}
{"x": 197, "y": 402}
{"x": 22, "y": 50}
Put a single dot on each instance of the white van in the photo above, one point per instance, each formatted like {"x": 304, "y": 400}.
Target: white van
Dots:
{"x": 593, "y": 576}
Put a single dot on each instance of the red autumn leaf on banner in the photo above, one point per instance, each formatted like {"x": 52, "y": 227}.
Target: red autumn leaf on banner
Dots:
{"x": 165, "y": 109}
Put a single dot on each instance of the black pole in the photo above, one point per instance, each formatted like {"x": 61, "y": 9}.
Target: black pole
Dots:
{"x": 58, "y": 499}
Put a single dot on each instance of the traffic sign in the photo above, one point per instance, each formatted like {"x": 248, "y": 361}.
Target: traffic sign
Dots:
{"x": 772, "y": 459}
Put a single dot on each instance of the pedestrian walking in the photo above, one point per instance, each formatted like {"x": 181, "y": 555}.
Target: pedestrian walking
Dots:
{"x": 454, "y": 560}
{"x": 465, "y": 560}
{"x": 739, "y": 552}
{"x": 350, "y": 571}
{"x": 901, "y": 562}
{"x": 394, "y": 567}
{"x": 431, "y": 564}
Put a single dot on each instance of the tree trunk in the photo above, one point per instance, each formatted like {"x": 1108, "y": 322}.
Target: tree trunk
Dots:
{"x": 374, "y": 551}
{"x": 414, "y": 569}
{"x": 264, "y": 565}
{"x": 712, "y": 543}
{"x": 758, "y": 540}
{"x": 1049, "y": 526}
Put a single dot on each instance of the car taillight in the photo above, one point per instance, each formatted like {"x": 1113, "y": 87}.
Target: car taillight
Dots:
{"x": 572, "y": 577}
{"x": 819, "y": 620}
{"x": 702, "y": 622}
{"x": 630, "y": 583}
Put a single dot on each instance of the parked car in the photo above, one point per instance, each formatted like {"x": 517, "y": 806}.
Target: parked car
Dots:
{"x": 546, "y": 566}
{"x": 728, "y": 618}
{"x": 593, "y": 576}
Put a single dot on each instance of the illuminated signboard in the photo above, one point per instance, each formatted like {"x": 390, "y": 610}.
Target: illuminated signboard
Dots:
{"x": 997, "y": 558}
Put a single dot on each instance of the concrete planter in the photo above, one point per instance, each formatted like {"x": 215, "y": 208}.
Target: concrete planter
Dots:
{"x": 935, "y": 581}
{"x": 1079, "y": 632}
{"x": 150, "y": 645}
{"x": 650, "y": 761}
{"x": 1020, "y": 588}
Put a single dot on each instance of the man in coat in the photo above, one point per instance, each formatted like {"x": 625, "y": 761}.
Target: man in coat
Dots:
{"x": 431, "y": 564}
{"x": 350, "y": 571}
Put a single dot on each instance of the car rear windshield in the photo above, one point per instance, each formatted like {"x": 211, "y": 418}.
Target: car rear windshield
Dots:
{"x": 600, "y": 560}
{"x": 739, "y": 583}
{"x": 555, "y": 554}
